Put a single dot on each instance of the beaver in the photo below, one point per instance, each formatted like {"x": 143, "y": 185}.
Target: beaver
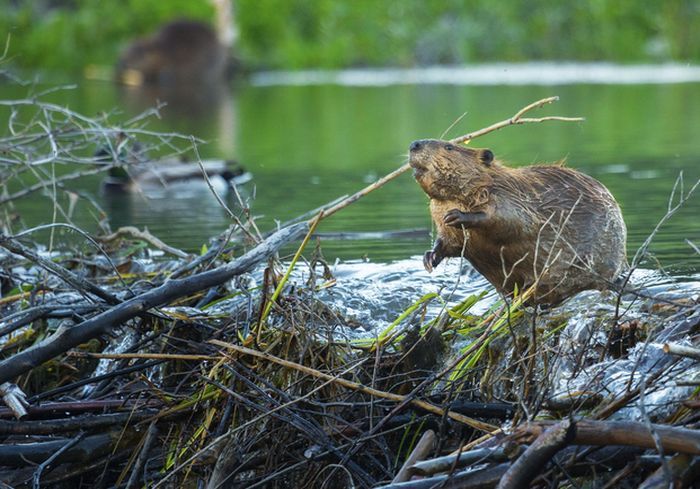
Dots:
{"x": 543, "y": 225}
{"x": 182, "y": 52}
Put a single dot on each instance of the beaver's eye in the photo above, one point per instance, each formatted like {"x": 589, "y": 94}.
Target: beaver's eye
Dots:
{"x": 449, "y": 147}
{"x": 486, "y": 157}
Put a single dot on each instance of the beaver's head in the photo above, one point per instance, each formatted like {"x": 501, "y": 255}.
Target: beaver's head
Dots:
{"x": 447, "y": 171}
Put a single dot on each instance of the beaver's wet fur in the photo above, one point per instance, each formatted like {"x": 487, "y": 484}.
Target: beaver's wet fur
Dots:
{"x": 543, "y": 224}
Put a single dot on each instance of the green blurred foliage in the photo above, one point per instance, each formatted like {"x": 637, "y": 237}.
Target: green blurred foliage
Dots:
{"x": 330, "y": 33}
{"x": 70, "y": 34}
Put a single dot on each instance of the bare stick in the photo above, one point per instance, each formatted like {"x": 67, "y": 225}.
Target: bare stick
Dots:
{"x": 66, "y": 275}
{"x": 36, "y": 479}
{"x": 137, "y": 472}
{"x": 146, "y": 236}
{"x": 426, "y": 406}
{"x": 682, "y": 351}
{"x": 425, "y": 445}
{"x": 517, "y": 118}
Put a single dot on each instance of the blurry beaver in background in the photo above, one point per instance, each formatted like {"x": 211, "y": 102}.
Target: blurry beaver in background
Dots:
{"x": 545, "y": 224}
{"x": 182, "y": 52}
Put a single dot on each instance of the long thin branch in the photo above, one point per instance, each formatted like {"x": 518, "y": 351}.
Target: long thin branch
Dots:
{"x": 426, "y": 406}
{"x": 66, "y": 275}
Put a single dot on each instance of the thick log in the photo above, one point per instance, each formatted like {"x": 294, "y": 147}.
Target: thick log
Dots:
{"x": 538, "y": 455}
{"x": 66, "y": 339}
{"x": 628, "y": 433}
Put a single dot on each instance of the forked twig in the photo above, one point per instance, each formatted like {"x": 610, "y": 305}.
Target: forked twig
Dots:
{"x": 518, "y": 119}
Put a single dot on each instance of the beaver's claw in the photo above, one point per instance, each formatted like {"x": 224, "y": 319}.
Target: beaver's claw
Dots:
{"x": 456, "y": 218}
{"x": 431, "y": 259}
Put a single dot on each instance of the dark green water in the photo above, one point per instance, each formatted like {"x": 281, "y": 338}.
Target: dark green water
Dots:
{"x": 307, "y": 145}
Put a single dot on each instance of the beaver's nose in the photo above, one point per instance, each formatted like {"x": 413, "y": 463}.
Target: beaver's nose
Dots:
{"x": 416, "y": 145}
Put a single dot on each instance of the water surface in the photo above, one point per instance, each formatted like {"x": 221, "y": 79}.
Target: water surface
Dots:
{"x": 307, "y": 144}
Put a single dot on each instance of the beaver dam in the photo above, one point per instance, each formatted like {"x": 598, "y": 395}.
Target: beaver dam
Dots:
{"x": 255, "y": 363}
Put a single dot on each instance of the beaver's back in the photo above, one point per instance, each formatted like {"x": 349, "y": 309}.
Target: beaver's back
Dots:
{"x": 551, "y": 224}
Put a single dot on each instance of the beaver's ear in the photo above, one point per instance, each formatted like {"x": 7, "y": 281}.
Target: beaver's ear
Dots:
{"x": 486, "y": 157}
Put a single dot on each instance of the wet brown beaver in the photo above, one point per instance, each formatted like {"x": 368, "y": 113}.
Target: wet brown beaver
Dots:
{"x": 182, "y": 52}
{"x": 543, "y": 224}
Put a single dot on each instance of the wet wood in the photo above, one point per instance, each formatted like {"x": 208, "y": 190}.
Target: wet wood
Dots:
{"x": 425, "y": 445}
{"x": 630, "y": 433}
{"x": 537, "y": 456}
{"x": 464, "y": 459}
{"x": 65, "y": 339}
{"x": 682, "y": 351}
{"x": 466, "y": 479}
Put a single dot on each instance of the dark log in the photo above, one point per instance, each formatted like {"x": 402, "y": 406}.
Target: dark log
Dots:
{"x": 499, "y": 410}
{"x": 79, "y": 423}
{"x": 629, "y": 433}
{"x": 89, "y": 448}
{"x": 533, "y": 460}
{"x": 64, "y": 409}
{"x": 425, "y": 445}
{"x": 64, "y": 340}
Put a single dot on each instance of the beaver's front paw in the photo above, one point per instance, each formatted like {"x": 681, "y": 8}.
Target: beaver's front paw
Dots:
{"x": 431, "y": 259}
{"x": 456, "y": 218}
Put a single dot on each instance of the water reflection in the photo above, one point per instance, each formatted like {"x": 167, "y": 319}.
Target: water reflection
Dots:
{"x": 206, "y": 110}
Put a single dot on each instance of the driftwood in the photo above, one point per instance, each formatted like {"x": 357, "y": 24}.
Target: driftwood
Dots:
{"x": 533, "y": 460}
{"x": 75, "y": 423}
{"x": 466, "y": 479}
{"x": 630, "y": 433}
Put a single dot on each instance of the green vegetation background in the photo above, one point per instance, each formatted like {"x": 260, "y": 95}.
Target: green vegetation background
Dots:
{"x": 70, "y": 34}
